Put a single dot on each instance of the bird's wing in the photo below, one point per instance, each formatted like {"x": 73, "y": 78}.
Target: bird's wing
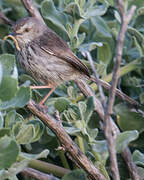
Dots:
{"x": 51, "y": 43}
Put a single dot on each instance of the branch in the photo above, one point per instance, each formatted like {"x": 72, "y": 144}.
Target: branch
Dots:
{"x": 4, "y": 19}
{"x": 66, "y": 142}
{"x": 48, "y": 168}
{"x": 126, "y": 154}
{"x": 29, "y": 172}
{"x": 108, "y": 125}
{"x": 28, "y": 4}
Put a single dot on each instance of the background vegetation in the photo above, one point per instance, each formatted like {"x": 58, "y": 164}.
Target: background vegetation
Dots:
{"x": 86, "y": 26}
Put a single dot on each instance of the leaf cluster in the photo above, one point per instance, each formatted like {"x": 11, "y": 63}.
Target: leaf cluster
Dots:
{"x": 93, "y": 26}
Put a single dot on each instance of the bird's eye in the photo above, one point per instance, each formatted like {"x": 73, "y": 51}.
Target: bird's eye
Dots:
{"x": 27, "y": 29}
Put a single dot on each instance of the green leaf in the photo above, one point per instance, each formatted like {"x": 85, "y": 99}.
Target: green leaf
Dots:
{"x": 111, "y": 2}
{"x": 77, "y": 174}
{"x": 39, "y": 129}
{"x": 89, "y": 109}
{"x": 13, "y": 170}
{"x": 74, "y": 10}
{"x": 104, "y": 53}
{"x": 101, "y": 27}
{"x": 9, "y": 82}
{"x": 140, "y": 171}
{"x": 101, "y": 150}
{"x": 12, "y": 117}
{"x": 5, "y": 131}
{"x": 1, "y": 73}
{"x": 20, "y": 100}
{"x": 124, "y": 138}
{"x": 74, "y": 112}
{"x": 1, "y": 120}
{"x": 25, "y": 134}
{"x": 72, "y": 130}
{"x": 8, "y": 88}
{"x": 55, "y": 17}
{"x": 92, "y": 134}
{"x": 129, "y": 118}
{"x": 96, "y": 10}
{"x": 138, "y": 158}
{"x": 89, "y": 46}
{"x": 61, "y": 104}
{"x": 17, "y": 127}
{"x": 9, "y": 151}
{"x": 141, "y": 97}
{"x": 8, "y": 63}
{"x": 82, "y": 109}
{"x": 29, "y": 156}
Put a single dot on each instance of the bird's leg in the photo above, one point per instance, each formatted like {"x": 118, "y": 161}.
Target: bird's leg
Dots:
{"x": 45, "y": 98}
{"x": 44, "y": 87}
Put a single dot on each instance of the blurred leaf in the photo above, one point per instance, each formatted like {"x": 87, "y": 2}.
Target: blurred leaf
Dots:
{"x": 72, "y": 130}
{"x": 9, "y": 151}
{"x": 20, "y": 100}
{"x": 1, "y": 120}
{"x": 101, "y": 150}
{"x": 129, "y": 118}
{"x": 101, "y": 27}
{"x": 9, "y": 82}
{"x": 26, "y": 134}
{"x": 57, "y": 18}
{"x": 75, "y": 175}
{"x": 140, "y": 171}
{"x": 141, "y": 97}
{"x": 1, "y": 73}
{"x": 96, "y": 10}
{"x": 111, "y": 2}
{"x": 124, "y": 138}
{"x": 29, "y": 156}
{"x": 92, "y": 134}
{"x": 12, "y": 117}
{"x": 8, "y": 88}
{"x": 12, "y": 2}
{"x": 74, "y": 10}
{"x": 39, "y": 129}
{"x": 82, "y": 109}
{"x": 138, "y": 158}
{"x": 89, "y": 109}
{"x": 90, "y": 46}
{"x": 74, "y": 112}
{"x": 13, "y": 170}
{"x": 5, "y": 131}
{"x": 104, "y": 53}
{"x": 8, "y": 62}
{"x": 61, "y": 104}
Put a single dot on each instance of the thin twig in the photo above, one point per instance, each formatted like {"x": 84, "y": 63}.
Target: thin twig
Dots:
{"x": 103, "y": 100}
{"x": 29, "y": 172}
{"x": 108, "y": 126}
{"x": 4, "y": 19}
{"x": 66, "y": 141}
{"x": 126, "y": 154}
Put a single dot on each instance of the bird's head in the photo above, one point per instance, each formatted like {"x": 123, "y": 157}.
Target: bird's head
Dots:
{"x": 28, "y": 29}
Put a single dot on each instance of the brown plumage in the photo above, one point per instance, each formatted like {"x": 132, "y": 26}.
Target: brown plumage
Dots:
{"x": 45, "y": 55}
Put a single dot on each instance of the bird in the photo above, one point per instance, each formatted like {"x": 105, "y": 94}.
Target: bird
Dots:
{"x": 48, "y": 59}
{"x": 45, "y": 55}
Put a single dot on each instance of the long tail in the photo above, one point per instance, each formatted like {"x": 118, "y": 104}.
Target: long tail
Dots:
{"x": 118, "y": 92}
